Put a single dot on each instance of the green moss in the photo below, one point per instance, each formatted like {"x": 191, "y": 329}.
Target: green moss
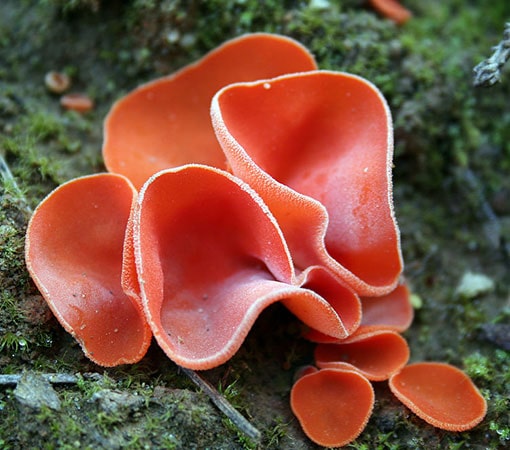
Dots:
{"x": 18, "y": 310}
{"x": 244, "y": 442}
{"x": 478, "y": 366}
{"x": 13, "y": 343}
{"x": 99, "y": 413}
{"x": 491, "y": 372}
{"x": 444, "y": 99}
{"x": 277, "y": 433}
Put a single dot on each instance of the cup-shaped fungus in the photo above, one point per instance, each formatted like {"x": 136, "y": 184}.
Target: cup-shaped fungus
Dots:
{"x": 209, "y": 257}
{"x": 77, "y": 102}
{"x": 317, "y": 146}
{"x": 74, "y": 250}
{"x": 166, "y": 123}
{"x": 333, "y": 406}
{"x": 440, "y": 394}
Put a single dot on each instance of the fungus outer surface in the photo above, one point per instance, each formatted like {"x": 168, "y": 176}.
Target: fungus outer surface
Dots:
{"x": 166, "y": 123}
{"x": 74, "y": 248}
{"x": 392, "y": 9}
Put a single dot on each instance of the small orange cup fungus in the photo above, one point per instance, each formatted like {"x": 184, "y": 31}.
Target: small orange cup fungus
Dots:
{"x": 440, "y": 394}
{"x": 333, "y": 406}
{"x": 57, "y": 82}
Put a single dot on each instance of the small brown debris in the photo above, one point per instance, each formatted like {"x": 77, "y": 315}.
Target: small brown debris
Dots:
{"x": 57, "y": 82}
{"x": 77, "y": 102}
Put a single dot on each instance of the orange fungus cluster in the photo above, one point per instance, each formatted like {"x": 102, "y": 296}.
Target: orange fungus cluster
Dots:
{"x": 248, "y": 178}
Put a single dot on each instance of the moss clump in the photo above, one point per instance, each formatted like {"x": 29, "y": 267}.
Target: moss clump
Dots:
{"x": 491, "y": 371}
{"x": 444, "y": 125}
{"x": 99, "y": 412}
{"x": 68, "y": 6}
{"x": 23, "y": 313}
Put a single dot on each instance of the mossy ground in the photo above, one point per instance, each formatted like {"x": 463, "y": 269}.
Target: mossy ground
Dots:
{"x": 451, "y": 195}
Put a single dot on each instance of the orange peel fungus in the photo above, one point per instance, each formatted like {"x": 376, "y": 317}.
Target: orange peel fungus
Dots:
{"x": 377, "y": 354}
{"x": 322, "y": 165}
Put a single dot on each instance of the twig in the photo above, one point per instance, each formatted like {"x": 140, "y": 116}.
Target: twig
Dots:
{"x": 54, "y": 378}
{"x": 224, "y": 406}
{"x": 488, "y": 72}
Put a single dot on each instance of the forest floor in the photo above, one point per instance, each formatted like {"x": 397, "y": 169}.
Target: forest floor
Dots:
{"x": 451, "y": 194}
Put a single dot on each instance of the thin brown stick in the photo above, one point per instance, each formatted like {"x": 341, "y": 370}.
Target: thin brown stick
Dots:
{"x": 224, "y": 406}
